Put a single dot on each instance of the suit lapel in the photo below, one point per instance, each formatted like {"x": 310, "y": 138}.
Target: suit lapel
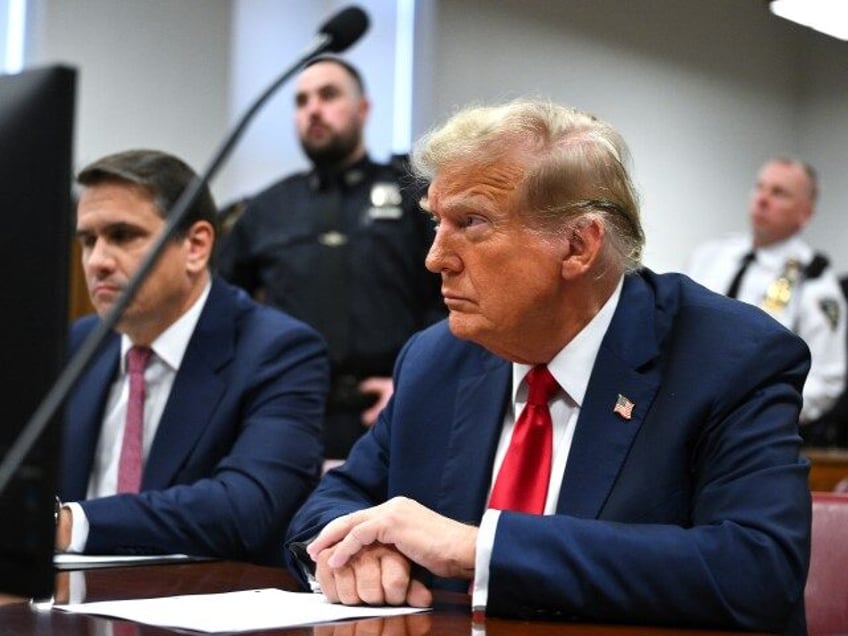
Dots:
{"x": 196, "y": 392}
{"x": 84, "y": 419}
{"x": 603, "y": 437}
{"x": 480, "y": 403}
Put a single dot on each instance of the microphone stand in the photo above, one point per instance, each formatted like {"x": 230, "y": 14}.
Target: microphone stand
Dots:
{"x": 56, "y": 396}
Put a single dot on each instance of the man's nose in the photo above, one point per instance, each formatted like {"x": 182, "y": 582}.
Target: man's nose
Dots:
{"x": 442, "y": 257}
{"x": 313, "y": 108}
{"x": 99, "y": 256}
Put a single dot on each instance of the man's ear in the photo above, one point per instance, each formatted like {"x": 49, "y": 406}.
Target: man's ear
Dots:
{"x": 585, "y": 244}
{"x": 199, "y": 241}
{"x": 363, "y": 110}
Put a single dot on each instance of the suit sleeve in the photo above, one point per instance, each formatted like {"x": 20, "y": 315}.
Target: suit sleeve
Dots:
{"x": 741, "y": 559}
{"x": 265, "y": 440}
{"x": 361, "y": 482}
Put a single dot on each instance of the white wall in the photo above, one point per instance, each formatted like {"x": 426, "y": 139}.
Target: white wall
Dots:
{"x": 268, "y": 36}
{"x": 703, "y": 91}
{"x": 152, "y": 74}
{"x": 823, "y": 139}
{"x": 177, "y": 74}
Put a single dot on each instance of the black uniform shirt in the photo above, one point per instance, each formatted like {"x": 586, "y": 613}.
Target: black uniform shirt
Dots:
{"x": 344, "y": 254}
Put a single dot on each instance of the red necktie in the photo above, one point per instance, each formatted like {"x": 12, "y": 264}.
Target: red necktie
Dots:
{"x": 522, "y": 482}
{"x": 130, "y": 463}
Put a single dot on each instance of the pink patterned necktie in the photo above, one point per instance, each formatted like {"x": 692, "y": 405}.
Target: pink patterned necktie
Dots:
{"x": 129, "y": 466}
{"x": 522, "y": 481}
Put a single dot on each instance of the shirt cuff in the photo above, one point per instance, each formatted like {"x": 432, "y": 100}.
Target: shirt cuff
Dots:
{"x": 485, "y": 543}
{"x": 305, "y": 563}
{"x": 79, "y": 529}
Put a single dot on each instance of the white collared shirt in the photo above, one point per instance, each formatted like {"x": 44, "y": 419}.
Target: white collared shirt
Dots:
{"x": 572, "y": 368}
{"x": 816, "y": 309}
{"x": 168, "y": 351}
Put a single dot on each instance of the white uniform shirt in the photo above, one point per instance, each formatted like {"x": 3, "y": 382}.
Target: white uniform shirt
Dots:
{"x": 816, "y": 309}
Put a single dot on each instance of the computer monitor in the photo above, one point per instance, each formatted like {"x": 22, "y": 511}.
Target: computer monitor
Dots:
{"x": 36, "y": 138}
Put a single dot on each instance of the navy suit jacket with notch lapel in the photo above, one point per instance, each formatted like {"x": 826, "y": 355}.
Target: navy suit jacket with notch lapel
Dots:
{"x": 238, "y": 447}
{"x": 695, "y": 511}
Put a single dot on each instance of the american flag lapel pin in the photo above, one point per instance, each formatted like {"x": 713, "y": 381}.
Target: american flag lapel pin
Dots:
{"x": 623, "y": 406}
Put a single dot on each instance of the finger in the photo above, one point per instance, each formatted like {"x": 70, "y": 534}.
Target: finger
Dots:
{"x": 332, "y": 533}
{"x": 418, "y": 594}
{"x": 324, "y": 576}
{"x": 369, "y": 586}
{"x": 358, "y": 537}
{"x": 395, "y": 576}
{"x": 345, "y": 582}
{"x": 370, "y": 416}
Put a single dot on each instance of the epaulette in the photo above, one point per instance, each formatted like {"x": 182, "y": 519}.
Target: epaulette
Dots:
{"x": 816, "y": 266}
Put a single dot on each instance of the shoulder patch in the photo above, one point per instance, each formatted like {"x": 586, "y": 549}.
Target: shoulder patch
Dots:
{"x": 830, "y": 308}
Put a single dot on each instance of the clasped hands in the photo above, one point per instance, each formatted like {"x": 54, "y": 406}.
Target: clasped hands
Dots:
{"x": 367, "y": 557}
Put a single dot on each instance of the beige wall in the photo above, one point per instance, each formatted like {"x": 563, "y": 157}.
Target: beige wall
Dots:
{"x": 703, "y": 91}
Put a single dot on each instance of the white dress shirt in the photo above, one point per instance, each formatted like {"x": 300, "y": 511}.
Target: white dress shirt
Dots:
{"x": 571, "y": 368}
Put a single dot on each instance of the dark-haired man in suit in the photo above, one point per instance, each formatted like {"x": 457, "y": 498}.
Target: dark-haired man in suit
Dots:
{"x": 197, "y": 427}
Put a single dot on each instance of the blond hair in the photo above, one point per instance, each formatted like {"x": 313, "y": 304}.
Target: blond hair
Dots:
{"x": 572, "y": 163}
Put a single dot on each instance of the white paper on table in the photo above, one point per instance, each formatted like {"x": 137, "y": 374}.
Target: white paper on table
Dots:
{"x": 234, "y": 611}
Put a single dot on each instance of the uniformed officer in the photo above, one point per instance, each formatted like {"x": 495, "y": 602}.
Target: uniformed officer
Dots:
{"x": 341, "y": 247}
{"x": 775, "y": 269}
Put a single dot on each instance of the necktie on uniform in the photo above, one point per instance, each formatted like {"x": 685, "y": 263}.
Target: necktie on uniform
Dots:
{"x": 522, "y": 481}
{"x": 131, "y": 460}
{"x": 733, "y": 290}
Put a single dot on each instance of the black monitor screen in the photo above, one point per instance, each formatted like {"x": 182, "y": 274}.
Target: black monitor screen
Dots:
{"x": 36, "y": 136}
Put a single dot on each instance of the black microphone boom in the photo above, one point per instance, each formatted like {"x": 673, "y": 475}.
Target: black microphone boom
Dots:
{"x": 335, "y": 35}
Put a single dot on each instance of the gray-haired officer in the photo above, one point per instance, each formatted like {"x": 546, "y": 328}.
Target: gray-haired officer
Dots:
{"x": 341, "y": 247}
{"x": 774, "y": 268}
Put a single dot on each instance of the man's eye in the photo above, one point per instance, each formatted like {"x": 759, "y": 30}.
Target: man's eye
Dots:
{"x": 123, "y": 234}
{"x": 472, "y": 219}
{"x": 330, "y": 93}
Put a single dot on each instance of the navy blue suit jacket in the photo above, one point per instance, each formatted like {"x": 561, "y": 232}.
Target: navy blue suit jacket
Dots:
{"x": 694, "y": 512}
{"x": 238, "y": 447}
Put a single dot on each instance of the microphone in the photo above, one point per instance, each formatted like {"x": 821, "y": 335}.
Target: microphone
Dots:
{"x": 343, "y": 29}
{"x": 335, "y": 35}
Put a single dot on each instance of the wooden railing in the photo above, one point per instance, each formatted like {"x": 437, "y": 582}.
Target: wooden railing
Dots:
{"x": 828, "y": 467}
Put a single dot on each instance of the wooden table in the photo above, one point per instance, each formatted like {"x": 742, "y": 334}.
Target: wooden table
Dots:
{"x": 828, "y": 466}
{"x": 451, "y": 614}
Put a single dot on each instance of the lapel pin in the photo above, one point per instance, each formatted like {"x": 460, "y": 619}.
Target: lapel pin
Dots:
{"x": 623, "y": 406}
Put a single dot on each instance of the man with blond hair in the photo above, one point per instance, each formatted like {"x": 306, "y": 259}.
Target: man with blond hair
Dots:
{"x": 577, "y": 439}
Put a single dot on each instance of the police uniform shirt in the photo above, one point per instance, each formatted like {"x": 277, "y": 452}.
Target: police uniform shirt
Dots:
{"x": 283, "y": 242}
{"x": 813, "y": 306}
